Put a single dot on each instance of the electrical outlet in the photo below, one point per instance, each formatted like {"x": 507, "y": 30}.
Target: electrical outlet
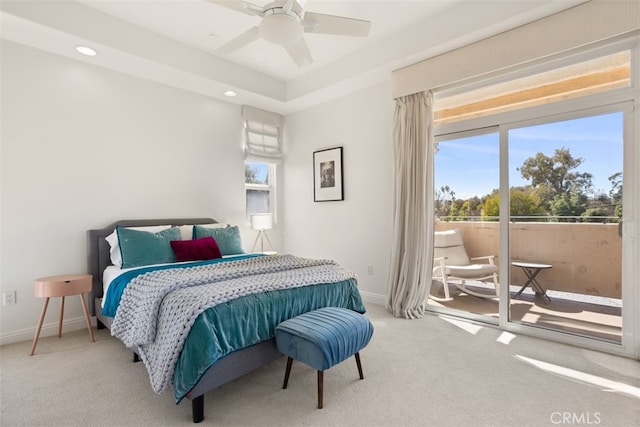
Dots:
{"x": 9, "y": 298}
{"x": 369, "y": 269}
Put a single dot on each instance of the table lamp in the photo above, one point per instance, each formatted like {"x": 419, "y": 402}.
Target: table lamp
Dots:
{"x": 261, "y": 222}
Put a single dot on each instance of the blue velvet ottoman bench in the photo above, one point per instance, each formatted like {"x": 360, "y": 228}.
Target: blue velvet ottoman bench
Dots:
{"x": 323, "y": 338}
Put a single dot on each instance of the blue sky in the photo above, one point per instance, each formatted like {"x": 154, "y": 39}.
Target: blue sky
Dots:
{"x": 470, "y": 166}
{"x": 262, "y": 169}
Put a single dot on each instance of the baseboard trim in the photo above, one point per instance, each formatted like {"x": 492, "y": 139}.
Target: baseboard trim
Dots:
{"x": 372, "y": 298}
{"x": 48, "y": 329}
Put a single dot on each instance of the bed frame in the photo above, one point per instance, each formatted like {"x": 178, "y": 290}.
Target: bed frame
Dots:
{"x": 224, "y": 370}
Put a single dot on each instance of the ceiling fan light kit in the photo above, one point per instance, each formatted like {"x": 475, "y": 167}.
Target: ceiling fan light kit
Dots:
{"x": 280, "y": 27}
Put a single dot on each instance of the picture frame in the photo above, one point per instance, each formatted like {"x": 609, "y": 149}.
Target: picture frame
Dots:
{"x": 328, "y": 182}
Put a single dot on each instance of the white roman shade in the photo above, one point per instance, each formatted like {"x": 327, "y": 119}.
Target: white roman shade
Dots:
{"x": 261, "y": 133}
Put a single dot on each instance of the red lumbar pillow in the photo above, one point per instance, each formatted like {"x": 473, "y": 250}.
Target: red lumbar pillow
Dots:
{"x": 196, "y": 249}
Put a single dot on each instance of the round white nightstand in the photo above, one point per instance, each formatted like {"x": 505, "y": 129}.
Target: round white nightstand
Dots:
{"x": 62, "y": 286}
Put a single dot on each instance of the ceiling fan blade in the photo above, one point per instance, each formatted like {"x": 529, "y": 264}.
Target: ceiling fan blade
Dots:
{"x": 299, "y": 52}
{"x": 240, "y": 41}
{"x": 300, "y": 9}
{"x": 288, "y": 5}
{"x": 328, "y": 24}
{"x": 240, "y": 6}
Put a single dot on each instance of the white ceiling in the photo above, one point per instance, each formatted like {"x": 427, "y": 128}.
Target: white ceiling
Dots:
{"x": 207, "y": 26}
{"x": 175, "y": 41}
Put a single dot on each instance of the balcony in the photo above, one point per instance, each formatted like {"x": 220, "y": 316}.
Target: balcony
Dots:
{"x": 584, "y": 283}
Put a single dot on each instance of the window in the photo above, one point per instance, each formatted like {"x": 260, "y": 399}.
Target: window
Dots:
{"x": 259, "y": 179}
{"x": 262, "y": 152}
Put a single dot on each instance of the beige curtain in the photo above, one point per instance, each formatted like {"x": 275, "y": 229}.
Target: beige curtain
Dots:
{"x": 412, "y": 246}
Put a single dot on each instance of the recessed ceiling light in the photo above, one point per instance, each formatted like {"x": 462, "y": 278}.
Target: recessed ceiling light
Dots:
{"x": 86, "y": 50}
{"x": 230, "y": 93}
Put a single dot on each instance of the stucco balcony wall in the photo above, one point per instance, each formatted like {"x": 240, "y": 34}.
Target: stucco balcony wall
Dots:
{"x": 586, "y": 257}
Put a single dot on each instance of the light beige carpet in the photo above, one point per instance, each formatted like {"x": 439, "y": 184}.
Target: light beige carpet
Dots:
{"x": 426, "y": 372}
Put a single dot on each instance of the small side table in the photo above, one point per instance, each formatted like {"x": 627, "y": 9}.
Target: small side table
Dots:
{"x": 62, "y": 286}
{"x": 531, "y": 270}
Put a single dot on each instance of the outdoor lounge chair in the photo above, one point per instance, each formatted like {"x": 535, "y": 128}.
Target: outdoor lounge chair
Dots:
{"x": 451, "y": 262}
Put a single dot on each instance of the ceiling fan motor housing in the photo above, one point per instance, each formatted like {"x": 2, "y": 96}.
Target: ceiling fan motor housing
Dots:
{"x": 281, "y": 27}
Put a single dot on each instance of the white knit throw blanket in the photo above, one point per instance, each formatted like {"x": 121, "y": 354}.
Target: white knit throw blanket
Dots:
{"x": 158, "y": 308}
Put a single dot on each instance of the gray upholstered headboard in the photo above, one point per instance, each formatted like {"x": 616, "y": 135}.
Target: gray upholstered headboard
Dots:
{"x": 98, "y": 249}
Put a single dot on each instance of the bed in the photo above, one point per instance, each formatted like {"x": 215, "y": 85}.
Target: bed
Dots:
{"x": 236, "y": 347}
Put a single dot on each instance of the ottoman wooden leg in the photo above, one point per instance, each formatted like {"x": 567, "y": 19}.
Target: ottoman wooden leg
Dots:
{"x": 287, "y": 372}
{"x": 320, "y": 388}
{"x": 359, "y": 365}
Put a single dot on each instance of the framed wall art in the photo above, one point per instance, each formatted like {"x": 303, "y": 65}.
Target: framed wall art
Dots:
{"x": 328, "y": 182}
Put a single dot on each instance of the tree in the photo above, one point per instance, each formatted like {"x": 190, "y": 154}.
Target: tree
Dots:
{"x": 523, "y": 202}
{"x": 251, "y": 174}
{"x": 443, "y": 200}
{"x": 573, "y": 204}
{"x": 457, "y": 210}
{"x": 595, "y": 214}
{"x": 616, "y": 192}
{"x": 492, "y": 204}
{"x": 556, "y": 176}
{"x": 475, "y": 204}
{"x": 465, "y": 210}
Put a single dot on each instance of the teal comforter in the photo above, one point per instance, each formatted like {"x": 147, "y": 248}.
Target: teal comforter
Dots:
{"x": 240, "y": 323}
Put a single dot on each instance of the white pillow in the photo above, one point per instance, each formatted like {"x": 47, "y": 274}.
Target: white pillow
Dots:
{"x": 186, "y": 232}
{"x": 112, "y": 239}
{"x": 216, "y": 225}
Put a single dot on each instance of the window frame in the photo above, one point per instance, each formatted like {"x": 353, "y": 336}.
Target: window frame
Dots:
{"x": 270, "y": 187}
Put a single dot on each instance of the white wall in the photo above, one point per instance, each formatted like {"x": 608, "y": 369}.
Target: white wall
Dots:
{"x": 355, "y": 232}
{"x": 82, "y": 147}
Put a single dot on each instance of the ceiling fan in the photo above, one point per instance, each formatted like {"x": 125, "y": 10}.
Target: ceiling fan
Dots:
{"x": 284, "y": 22}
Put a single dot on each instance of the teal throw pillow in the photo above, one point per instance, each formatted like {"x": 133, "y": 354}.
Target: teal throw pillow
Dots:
{"x": 227, "y": 238}
{"x": 139, "y": 248}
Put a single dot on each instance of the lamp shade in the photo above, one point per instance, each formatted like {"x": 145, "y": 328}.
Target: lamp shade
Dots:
{"x": 262, "y": 221}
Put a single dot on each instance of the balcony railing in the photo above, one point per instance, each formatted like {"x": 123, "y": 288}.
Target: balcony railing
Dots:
{"x": 586, "y": 256}
{"x": 535, "y": 218}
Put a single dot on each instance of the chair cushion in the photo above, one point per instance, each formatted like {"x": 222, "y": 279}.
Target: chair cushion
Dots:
{"x": 449, "y": 244}
{"x": 456, "y": 255}
{"x": 447, "y": 238}
{"x": 324, "y": 337}
{"x": 472, "y": 271}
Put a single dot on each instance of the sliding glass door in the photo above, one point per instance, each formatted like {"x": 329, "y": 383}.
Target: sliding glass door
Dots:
{"x": 467, "y": 179}
{"x": 545, "y": 199}
{"x": 565, "y": 212}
